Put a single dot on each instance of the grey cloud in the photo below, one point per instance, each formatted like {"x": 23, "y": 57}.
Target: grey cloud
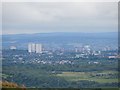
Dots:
{"x": 52, "y": 17}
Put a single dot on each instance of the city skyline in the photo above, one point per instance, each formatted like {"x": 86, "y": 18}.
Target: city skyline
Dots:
{"x": 34, "y": 48}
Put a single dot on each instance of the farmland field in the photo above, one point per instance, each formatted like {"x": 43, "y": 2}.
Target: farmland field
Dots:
{"x": 100, "y": 77}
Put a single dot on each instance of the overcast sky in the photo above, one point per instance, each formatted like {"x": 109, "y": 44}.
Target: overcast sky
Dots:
{"x": 44, "y": 17}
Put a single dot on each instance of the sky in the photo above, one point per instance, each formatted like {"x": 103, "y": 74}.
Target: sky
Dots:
{"x": 47, "y": 17}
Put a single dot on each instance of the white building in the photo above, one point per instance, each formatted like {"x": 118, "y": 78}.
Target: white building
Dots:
{"x": 12, "y": 47}
{"x": 38, "y": 48}
{"x": 35, "y": 48}
{"x": 31, "y": 47}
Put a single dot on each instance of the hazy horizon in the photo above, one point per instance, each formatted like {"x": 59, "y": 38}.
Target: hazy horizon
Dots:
{"x": 60, "y": 32}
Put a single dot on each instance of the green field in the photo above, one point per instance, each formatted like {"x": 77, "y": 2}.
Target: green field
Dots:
{"x": 100, "y": 77}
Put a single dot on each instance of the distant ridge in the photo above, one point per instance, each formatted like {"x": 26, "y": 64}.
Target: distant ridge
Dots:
{"x": 64, "y": 33}
{"x": 21, "y": 40}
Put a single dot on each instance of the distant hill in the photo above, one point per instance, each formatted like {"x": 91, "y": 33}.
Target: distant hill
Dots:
{"x": 63, "y": 37}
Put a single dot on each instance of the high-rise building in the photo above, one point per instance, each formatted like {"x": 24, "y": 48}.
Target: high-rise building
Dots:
{"x": 38, "y": 48}
{"x": 31, "y": 47}
{"x": 35, "y": 48}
